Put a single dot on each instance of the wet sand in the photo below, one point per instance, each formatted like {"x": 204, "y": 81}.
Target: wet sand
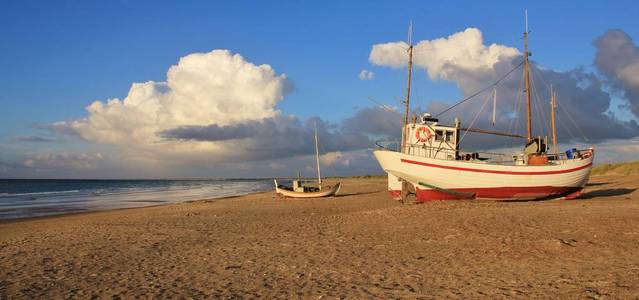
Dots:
{"x": 358, "y": 245}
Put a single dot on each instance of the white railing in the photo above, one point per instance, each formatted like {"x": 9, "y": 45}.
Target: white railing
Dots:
{"x": 450, "y": 154}
{"x": 423, "y": 150}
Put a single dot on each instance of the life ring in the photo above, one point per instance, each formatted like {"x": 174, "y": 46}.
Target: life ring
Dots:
{"x": 425, "y": 137}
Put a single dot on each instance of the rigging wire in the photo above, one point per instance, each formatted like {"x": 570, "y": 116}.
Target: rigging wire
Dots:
{"x": 573, "y": 122}
{"x": 382, "y": 106}
{"x": 390, "y": 109}
{"x": 481, "y": 91}
{"x": 550, "y": 91}
{"x": 542, "y": 128}
{"x": 563, "y": 125}
{"x": 568, "y": 114}
{"x": 475, "y": 119}
{"x": 514, "y": 122}
{"x": 386, "y": 108}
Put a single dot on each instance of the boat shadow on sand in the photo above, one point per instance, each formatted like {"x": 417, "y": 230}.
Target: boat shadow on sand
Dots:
{"x": 597, "y": 183}
{"x": 357, "y": 194}
{"x": 589, "y": 194}
{"x": 606, "y": 193}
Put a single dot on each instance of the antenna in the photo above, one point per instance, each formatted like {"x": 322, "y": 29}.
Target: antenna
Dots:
{"x": 526, "y": 13}
{"x": 410, "y": 33}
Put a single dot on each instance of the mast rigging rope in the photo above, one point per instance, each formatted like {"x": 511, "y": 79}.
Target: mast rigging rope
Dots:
{"x": 474, "y": 119}
{"x": 481, "y": 91}
{"x": 567, "y": 114}
{"x": 542, "y": 128}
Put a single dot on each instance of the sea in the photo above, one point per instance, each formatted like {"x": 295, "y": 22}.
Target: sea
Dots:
{"x": 25, "y": 198}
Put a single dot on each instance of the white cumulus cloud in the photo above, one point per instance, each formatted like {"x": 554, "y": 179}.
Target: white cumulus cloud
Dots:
{"x": 218, "y": 87}
{"x": 444, "y": 57}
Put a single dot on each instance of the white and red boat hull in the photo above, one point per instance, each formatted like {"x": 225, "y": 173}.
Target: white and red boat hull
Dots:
{"x": 437, "y": 179}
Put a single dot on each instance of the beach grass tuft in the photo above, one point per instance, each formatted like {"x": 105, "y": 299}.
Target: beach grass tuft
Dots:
{"x": 625, "y": 168}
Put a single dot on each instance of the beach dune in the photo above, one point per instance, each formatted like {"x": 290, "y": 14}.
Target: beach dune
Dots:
{"x": 359, "y": 244}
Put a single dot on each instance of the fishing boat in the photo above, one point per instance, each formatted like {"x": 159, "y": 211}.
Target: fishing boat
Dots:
{"x": 429, "y": 163}
{"x": 300, "y": 191}
{"x": 301, "y": 188}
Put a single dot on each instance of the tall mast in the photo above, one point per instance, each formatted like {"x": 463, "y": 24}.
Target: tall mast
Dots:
{"x": 552, "y": 120}
{"x": 406, "y": 101}
{"x": 527, "y": 79}
{"x": 319, "y": 176}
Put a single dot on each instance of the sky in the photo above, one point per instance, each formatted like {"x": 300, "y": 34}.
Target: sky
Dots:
{"x": 155, "y": 89}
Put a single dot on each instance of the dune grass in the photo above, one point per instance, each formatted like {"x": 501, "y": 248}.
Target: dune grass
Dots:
{"x": 625, "y": 168}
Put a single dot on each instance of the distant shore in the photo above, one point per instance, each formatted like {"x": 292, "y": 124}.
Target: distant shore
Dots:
{"x": 360, "y": 244}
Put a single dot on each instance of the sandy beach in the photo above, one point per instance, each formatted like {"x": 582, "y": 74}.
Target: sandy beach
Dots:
{"x": 358, "y": 245}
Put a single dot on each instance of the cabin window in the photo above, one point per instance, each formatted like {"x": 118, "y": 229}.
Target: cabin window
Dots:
{"x": 449, "y": 136}
{"x": 439, "y": 135}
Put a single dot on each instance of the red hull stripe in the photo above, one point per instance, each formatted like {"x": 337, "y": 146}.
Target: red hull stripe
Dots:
{"x": 495, "y": 171}
{"x": 538, "y": 192}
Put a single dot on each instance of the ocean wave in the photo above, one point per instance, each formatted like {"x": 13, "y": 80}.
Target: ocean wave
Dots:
{"x": 40, "y": 197}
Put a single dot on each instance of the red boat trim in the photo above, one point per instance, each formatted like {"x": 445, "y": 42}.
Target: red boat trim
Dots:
{"x": 395, "y": 194}
{"x": 500, "y": 193}
{"x": 495, "y": 171}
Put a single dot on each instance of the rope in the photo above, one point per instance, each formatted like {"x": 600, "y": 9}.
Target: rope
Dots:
{"x": 563, "y": 125}
{"x": 475, "y": 119}
{"x": 514, "y": 123}
{"x": 542, "y": 128}
{"x": 568, "y": 114}
{"x": 573, "y": 122}
{"x": 480, "y": 91}
{"x": 546, "y": 120}
{"x": 382, "y": 105}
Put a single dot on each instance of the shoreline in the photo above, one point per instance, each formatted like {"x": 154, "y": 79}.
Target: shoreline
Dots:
{"x": 51, "y": 198}
{"x": 108, "y": 210}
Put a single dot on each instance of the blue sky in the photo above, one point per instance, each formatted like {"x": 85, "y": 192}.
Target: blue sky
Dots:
{"x": 57, "y": 57}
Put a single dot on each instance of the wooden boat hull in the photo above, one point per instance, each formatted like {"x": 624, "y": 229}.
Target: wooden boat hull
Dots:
{"x": 290, "y": 194}
{"x": 450, "y": 179}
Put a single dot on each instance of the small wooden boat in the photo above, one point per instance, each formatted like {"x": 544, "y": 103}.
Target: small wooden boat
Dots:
{"x": 299, "y": 188}
{"x": 306, "y": 192}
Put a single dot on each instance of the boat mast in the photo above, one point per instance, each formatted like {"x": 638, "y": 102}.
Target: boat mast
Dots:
{"x": 552, "y": 120}
{"x": 319, "y": 176}
{"x": 527, "y": 80}
{"x": 406, "y": 101}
